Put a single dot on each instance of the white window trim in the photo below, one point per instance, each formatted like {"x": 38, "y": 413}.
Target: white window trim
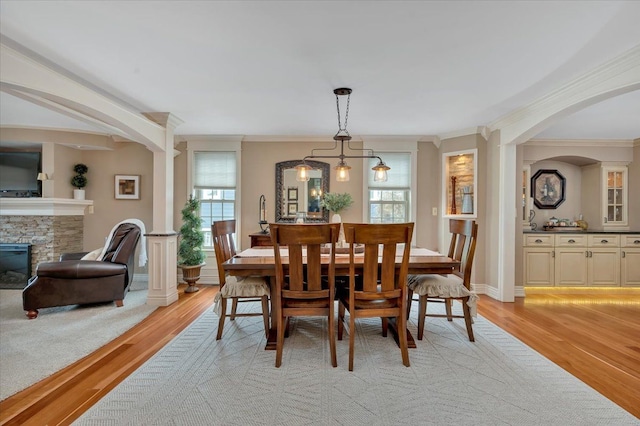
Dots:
{"x": 380, "y": 145}
{"x": 218, "y": 144}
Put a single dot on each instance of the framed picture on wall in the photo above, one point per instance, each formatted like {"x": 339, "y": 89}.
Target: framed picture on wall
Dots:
{"x": 292, "y": 208}
{"x": 548, "y": 189}
{"x": 292, "y": 194}
{"x": 127, "y": 187}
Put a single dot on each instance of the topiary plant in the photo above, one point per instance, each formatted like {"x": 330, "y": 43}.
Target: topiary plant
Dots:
{"x": 191, "y": 236}
{"x": 79, "y": 181}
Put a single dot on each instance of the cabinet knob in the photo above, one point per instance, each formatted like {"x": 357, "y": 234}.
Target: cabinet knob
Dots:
{"x": 604, "y": 241}
{"x": 636, "y": 242}
{"x": 539, "y": 241}
{"x": 572, "y": 241}
{"x": 624, "y": 254}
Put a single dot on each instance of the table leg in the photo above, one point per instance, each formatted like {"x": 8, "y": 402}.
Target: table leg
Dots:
{"x": 411, "y": 343}
{"x": 273, "y": 330}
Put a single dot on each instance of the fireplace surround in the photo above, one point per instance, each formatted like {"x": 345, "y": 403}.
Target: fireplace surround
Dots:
{"x": 51, "y": 226}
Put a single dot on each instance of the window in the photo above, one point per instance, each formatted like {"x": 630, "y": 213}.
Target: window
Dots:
{"x": 214, "y": 184}
{"x": 390, "y": 201}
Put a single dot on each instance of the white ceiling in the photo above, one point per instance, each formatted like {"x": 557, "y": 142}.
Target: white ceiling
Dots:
{"x": 269, "y": 68}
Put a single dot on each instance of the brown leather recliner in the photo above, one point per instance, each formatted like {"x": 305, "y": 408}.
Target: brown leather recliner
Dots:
{"x": 73, "y": 281}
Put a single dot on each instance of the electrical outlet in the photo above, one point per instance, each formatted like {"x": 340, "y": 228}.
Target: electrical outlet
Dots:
{"x": 434, "y": 211}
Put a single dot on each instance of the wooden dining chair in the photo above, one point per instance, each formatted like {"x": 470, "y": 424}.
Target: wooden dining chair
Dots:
{"x": 456, "y": 286}
{"x": 301, "y": 289}
{"x": 380, "y": 291}
{"x": 236, "y": 289}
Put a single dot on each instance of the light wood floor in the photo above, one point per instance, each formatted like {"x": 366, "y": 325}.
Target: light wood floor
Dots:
{"x": 595, "y": 338}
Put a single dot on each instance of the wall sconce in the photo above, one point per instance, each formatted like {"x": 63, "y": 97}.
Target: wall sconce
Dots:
{"x": 342, "y": 169}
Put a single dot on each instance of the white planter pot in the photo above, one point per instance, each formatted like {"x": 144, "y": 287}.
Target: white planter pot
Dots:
{"x": 336, "y": 218}
{"x": 78, "y": 194}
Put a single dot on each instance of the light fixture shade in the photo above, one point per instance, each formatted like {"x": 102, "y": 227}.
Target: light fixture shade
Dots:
{"x": 302, "y": 174}
{"x": 342, "y": 172}
{"x": 380, "y": 170}
{"x": 43, "y": 176}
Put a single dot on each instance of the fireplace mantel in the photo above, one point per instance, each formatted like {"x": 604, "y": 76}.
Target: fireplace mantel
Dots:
{"x": 44, "y": 207}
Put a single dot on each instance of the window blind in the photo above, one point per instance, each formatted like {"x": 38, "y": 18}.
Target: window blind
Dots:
{"x": 400, "y": 174}
{"x": 214, "y": 169}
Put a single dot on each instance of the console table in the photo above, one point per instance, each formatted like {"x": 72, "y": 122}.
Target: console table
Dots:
{"x": 259, "y": 239}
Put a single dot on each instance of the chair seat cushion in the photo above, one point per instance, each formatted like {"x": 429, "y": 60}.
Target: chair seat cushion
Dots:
{"x": 241, "y": 287}
{"x": 442, "y": 287}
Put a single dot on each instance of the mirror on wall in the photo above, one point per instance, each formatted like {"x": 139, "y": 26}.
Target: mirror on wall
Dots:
{"x": 301, "y": 199}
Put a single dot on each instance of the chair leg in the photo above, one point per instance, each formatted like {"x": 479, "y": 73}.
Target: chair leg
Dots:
{"x": 234, "y": 308}
{"x": 287, "y": 326}
{"x": 422, "y": 313}
{"x": 467, "y": 318}
{"x": 265, "y": 314}
{"x": 385, "y": 326}
{"x": 409, "y": 301}
{"x": 332, "y": 335}
{"x": 352, "y": 339}
{"x": 119, "y": 303}
{"x": 340, "y": 320}
{"x": 401, "y": 321}
{"x": 280, "y": 341}
{"x": 447, "y": 304}
{"x": 223, "y": 314}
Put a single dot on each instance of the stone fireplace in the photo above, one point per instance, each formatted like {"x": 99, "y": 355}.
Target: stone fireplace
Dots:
{"x": 51, "y": 226}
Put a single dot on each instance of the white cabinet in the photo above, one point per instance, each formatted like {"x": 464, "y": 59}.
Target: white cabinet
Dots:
{"x": 538, "y": 260}
{"x": 603, "y": 260}
{"x": 610, "y": 181}
{"x": 565, "y": 260}
{"x": 630, "y": 260}
{"x": 571, "y": 260}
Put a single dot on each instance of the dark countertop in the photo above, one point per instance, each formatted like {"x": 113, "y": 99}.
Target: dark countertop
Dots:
{"x": 574, "y": 231}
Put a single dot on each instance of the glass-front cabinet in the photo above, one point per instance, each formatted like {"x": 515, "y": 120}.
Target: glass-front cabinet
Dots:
{"x": 605, "y": 196}
{"x": 616, "y": 200}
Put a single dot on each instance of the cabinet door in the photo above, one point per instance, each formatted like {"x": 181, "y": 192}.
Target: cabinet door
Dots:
{"x": 630, "y": 266}
{"x": 615, "y": 205}
{"x": 604, "y": 266}
{"x": 571, "y": 267}
{"x": 538, "y": 267}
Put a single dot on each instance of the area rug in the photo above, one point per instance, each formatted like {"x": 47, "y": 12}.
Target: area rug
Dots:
{"x": 495, "y": 381}
{"x": 31, "y": 350}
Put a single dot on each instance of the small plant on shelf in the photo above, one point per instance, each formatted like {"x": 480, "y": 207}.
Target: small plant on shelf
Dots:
{"x": 190, "y": 254}
{"x": 79, "y": 181}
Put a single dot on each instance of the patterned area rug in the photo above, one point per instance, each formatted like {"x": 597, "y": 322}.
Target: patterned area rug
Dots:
{"x": 495, "y": 381}
{"x": 31, "y": 350}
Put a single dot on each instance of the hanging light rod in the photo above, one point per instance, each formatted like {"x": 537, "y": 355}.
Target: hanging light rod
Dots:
{"x": 342, "y": 169}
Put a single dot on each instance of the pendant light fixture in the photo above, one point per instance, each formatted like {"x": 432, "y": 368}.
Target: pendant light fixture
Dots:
{"x": 342, "y": 169}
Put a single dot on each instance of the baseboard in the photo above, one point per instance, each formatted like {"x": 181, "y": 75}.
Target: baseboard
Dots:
{"x": 584, "y": 290}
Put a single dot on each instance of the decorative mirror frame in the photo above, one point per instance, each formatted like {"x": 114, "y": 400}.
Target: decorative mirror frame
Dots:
{"x": 549, "y": 197}
{"x": 285, "y": 165}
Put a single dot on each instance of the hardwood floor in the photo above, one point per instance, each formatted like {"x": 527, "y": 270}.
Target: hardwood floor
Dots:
{"x": 595, "y": 338}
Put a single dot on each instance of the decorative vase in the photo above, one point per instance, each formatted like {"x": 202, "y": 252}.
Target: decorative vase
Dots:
{"x": 336, "y": 218}
{"x": 191, "y": 274}
{"x": 78, "y": 194}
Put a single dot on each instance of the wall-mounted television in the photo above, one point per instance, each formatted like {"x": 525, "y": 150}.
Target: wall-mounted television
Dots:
{"x": 19, "y": 174}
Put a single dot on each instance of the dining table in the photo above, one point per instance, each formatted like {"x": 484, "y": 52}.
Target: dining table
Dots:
{"x": 260, "y": 261}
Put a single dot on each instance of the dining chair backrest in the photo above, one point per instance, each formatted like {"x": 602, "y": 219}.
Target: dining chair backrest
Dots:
{"x": 301, "y": 238}
{"x": 380, "y": 249}
{"x": 223, "y": 244}
{"x": 302, "y": 290}
{"x": 463, "y": 246}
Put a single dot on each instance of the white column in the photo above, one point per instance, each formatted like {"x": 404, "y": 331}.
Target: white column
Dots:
{"x": 163, "y": 239}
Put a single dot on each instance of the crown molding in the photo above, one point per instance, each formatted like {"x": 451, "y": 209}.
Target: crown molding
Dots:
{"x": 478, "y": 130}
{"x": 605, "y": 143}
